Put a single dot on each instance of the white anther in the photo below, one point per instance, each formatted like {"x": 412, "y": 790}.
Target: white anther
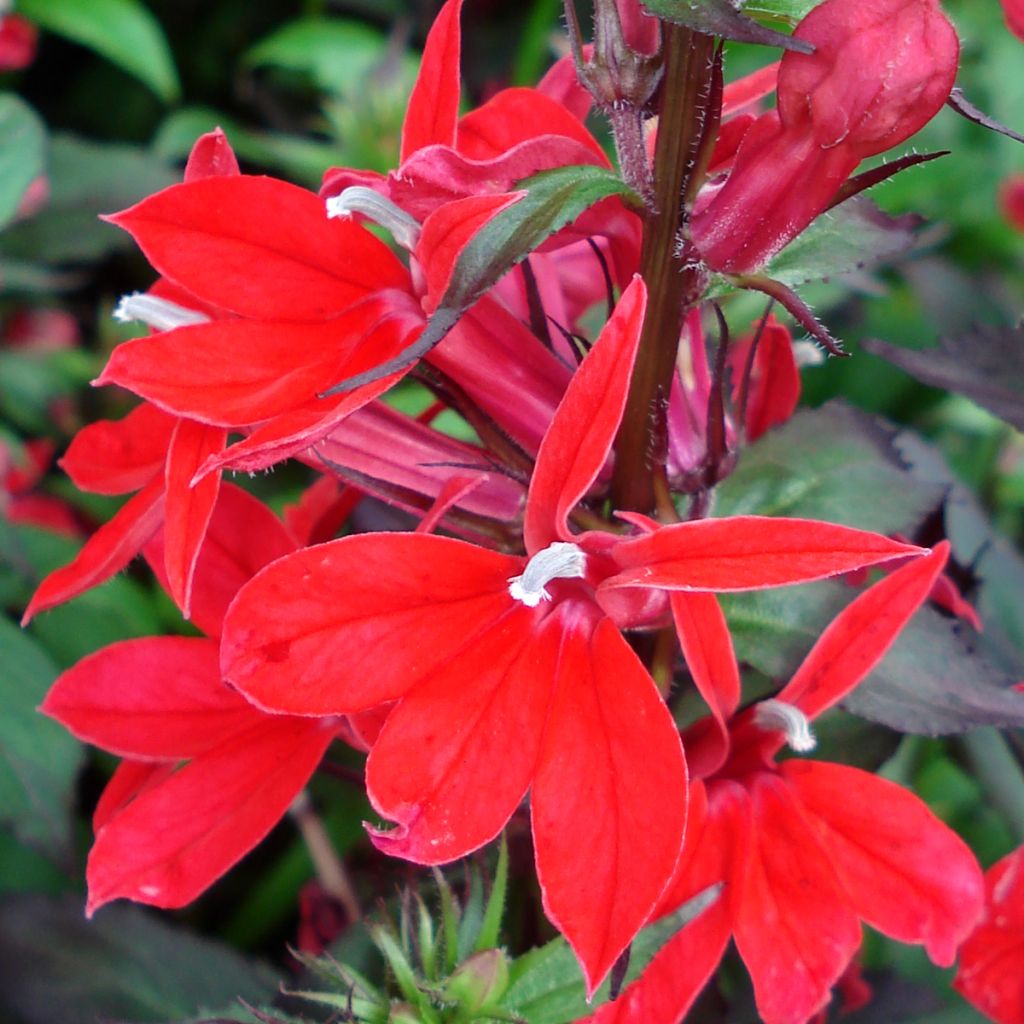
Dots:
{"x": 806, "y": 353}
{"x": 161, "y": 314}
{"x": 404, "y": 229}
{"x": 557, "y": 561}
{"x": 788, "y": 719}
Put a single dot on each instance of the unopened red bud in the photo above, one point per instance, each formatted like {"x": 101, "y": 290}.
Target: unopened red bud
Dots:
{"x": 881, "y": 69}
{"x": 479, "y": 981}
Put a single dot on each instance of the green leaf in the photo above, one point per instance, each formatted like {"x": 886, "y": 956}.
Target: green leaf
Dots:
{"x": 546, "y": 986}
{"x": 123, "y": 31}
{"x": 552, "y": 200}
{"x": 853, "y": 236}
{"x": 22, "y": 151}
{"x": 39, "y": 761}
{"x": 336, "y": 54}
{"x": 721, "y": 18}
{"x": 86, "y": 179}
{"x": 125, "y": 964}
{"x": 834, "y": 463}
{"x": 780, "y": 10}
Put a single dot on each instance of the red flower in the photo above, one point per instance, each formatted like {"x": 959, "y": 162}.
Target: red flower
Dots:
{"x": 991, "y": 971}
{"x": 1011, "y": 200}
{"x": 1013, "y": 11}
{"x": 805, "y": 849}
{"x": 880, "y": 71}
{"x": 510, "y": 673}
{"x": 206, "y": 775}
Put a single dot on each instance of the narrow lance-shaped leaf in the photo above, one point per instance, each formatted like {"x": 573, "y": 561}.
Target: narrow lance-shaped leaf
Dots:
{"x": 721, "y": 18}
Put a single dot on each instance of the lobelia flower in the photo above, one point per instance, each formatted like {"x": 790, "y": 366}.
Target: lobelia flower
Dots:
{"x": 205, "y": 775}
{"x": 880, "y": 71}
{"x": 510, "y": 673}
{"x": 805, "y": 849}
{"x": 989, "y": 974}
{"x": 18, "y": 39}
{"x": 1011, "y": 200}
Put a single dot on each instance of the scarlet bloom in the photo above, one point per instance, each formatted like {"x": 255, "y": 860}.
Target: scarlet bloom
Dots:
{"x": 1011, "y": 200}
{"x": 510, "y": 673}
{"x": 804, "y": 850}
{"x": 206, "y": 775}
{"x": 989, "y": 975}
{"x": 1013, "y": 11}
{"x": 881, "y": 69}
{"x": 18, "y": 38}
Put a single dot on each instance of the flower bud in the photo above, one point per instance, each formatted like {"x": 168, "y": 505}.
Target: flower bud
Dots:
{"x": 479, "y": 981}
{"x": 880, "y": 71}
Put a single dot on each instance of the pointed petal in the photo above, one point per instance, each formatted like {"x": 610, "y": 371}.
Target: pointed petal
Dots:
{"x": 452, "y": 492}
{"x": 238, "y": 372}
{"x": 176, "y": 838}
{"x": 793, "y": 924}
{"x": 774, "y": 389}
{"x": 348, "y": 625}
{"x": 904, "y": 871}
{"x": 610, "y": 744}
{"x": 748, "y": 553}
{"x": 857, "y": 639}
{"x": 260, "y": 248}
{"x": 707, "y": 648}
{"x": 105, "y": 553}
{"x": 187, "y": 509}
{"x": 433, "y": 109}
{"x": 243, "y": 537}
{"x": 456, "y": 756}
{"x": 581, "y": 434}
{"x": 211, "y": 157}
{"x": 675, "y": 977}
{"x": 155, "y": 698}
{"x": 117, "y": 456}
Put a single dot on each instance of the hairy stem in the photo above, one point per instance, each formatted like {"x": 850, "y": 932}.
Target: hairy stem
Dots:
{"x": 673, "y": 277}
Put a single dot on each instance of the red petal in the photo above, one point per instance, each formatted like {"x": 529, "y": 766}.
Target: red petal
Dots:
{"x": 243, "y": 537}
{"x": 580, "y": 436}
{"x": 211, "y": 157}
{"x": 447, "y": 231}
{"x": 155, "y": 698}
{"x": 348, "y": 625}
{"x": 177, "y": 838}
{"x": 989, "y": 975}
{"x": 238, "y": 372}
{"x": 793, "y": 925}
{"x": 513, "y": 116}
{"x": 105, "y": 553}
{"x": 774, "y": 389}
{"x": 130, "y": 778}
{"x": 748, "y": 553}
{"x": 707, "y": 648}
{"x": 260, "y": 247}
{"x": 609, "y": 798}
{"x": 456, "y": 757}
{"x": 187, "y": 509}
{"x": 117, "y": 456}
{"x": 857, "y": 639}
{"x": 749, "y": 89}
{"x": 433, "y": 109}
{"x": 673, "y": 980}
{"x": 904, "y": 871}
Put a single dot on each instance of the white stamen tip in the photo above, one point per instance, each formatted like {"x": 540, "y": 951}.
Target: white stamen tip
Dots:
{"x": 786, "y": 718}
{"x": 560, "y": 560}
{"x": 806, "y": 353}
{"x": 161, "y": 314}
{"x": 404, "y": 229}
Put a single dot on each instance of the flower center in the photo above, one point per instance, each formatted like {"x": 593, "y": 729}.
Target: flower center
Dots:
{"x": 560, "y": 560}
{"x": 161, "y": 314}
{"x": 404, "y": 229}
{"x": 777, "y": 715}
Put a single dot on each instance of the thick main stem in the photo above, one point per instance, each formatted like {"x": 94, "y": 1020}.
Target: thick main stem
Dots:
{"x": 669, "y": 272}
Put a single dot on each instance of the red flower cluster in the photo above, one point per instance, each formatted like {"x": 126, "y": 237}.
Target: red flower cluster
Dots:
{"x": 494, "y": 661}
